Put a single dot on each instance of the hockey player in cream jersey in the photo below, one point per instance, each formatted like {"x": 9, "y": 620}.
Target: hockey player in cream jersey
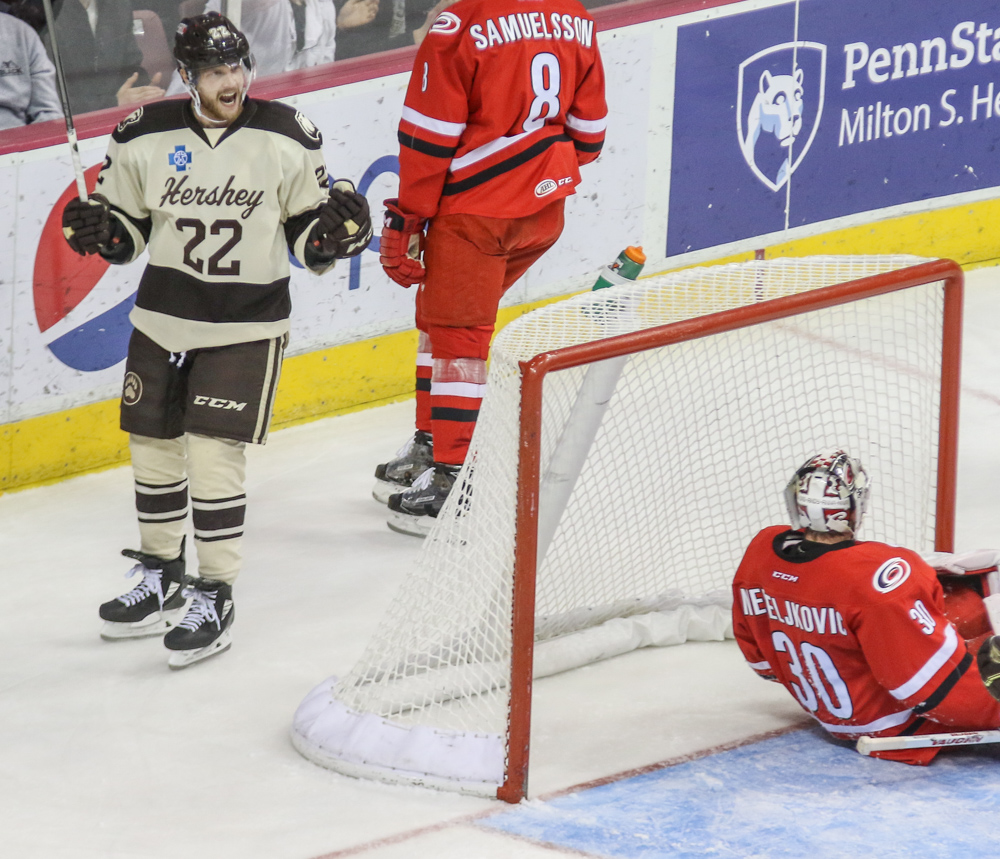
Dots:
{"x": 218, "y": 189}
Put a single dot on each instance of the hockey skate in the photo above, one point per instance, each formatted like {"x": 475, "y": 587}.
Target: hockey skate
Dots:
{"x": 411, "y": 460}
{"x": 414, "y": 511}
{"x": 153, "y": 606}
{"x": 204, "y": 631}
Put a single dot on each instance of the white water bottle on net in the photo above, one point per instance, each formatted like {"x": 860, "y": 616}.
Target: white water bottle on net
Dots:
{"x": 727, "y": 378}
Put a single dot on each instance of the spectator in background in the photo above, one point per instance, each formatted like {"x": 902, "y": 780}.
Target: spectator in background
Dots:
{"x": 355, "y": 13}
{"x": 29, "y": 11}
{"x": 315, "y": 33}
{"x": 285, "y": 34}
{"x": 391, "y": 24}
{"x": 27, "y": 78}
{"x": 168, "y": 11}
{"x": 99, "y": 54}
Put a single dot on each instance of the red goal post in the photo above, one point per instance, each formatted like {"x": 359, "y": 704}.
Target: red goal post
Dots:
{"x": 631, "y": 442}
{"x": 535, "y": 370}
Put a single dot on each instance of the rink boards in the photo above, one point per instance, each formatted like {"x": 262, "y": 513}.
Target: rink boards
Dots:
{"x": 887, "y": 159}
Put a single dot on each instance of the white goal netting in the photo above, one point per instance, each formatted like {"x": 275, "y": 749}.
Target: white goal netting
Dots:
{"x": 641, "y": 530}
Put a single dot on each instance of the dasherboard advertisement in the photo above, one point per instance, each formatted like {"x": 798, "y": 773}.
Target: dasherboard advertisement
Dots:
{"x": 64, "y": 324}
{"x": 819, "y": 110}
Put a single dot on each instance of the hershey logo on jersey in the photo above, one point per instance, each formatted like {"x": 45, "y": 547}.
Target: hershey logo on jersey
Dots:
{"x": 532, "y": 25}
{"x": 176, "y": 193}
{"x": 825, "y": 619}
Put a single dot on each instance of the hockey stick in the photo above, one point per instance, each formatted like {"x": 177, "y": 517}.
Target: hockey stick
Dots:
{"x": 50, "y": 20}
{"x": 867, "y": 745}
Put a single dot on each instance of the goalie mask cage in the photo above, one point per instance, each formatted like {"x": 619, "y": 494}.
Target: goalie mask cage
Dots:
{"x": 631, "y": 443}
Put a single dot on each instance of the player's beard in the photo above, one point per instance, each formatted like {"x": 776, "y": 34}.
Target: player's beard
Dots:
{"x": 223, "y": 107}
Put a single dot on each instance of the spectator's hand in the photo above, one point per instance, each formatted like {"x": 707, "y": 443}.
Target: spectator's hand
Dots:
{"x": 128, "y": 93}
{"x": 357, "y": 13}
{"x": 418, "y": 35}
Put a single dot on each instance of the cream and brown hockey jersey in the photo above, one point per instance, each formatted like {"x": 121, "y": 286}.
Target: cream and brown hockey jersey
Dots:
{"x": 505, "y": 101}
{"x": 219, "y": 210}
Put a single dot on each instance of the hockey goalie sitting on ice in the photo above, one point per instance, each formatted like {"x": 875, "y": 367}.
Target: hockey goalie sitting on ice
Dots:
{"x": 865, "y": 636}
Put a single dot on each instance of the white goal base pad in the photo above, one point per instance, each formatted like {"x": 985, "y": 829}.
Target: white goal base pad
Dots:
{"x": 366, "y": 745}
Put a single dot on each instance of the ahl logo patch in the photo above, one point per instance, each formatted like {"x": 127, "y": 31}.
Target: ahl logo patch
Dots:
{"x": 546, "y": 186}
{"x": 180, "y": 159}
{"x": 890, "y": 575}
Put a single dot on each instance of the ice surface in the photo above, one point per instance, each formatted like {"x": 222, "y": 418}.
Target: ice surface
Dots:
{"x": 106, "y": 754}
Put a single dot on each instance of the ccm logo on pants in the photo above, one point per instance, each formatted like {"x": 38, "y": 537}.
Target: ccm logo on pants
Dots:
{"x": 216, "y": 403}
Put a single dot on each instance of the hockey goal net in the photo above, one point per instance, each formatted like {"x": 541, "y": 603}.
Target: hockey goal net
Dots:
{"x": 631, "y": 443}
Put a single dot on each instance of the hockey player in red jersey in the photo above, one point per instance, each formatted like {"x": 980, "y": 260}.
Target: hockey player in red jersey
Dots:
{"x": 505, "y": 102}
{"x": 856, "y": 631}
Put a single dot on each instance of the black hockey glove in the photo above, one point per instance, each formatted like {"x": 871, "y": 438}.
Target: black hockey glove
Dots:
{"x": 345, "y": 224}
{"x": 87, "y": 225}
{"x": 988, "y": 660}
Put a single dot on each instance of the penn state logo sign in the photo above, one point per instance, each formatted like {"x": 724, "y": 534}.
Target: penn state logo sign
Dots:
{"x": 779, "y": 104}
{"x": 890, "y": 575}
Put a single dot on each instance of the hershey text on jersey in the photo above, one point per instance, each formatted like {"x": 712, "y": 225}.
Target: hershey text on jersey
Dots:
{"x": 175, "y": 193}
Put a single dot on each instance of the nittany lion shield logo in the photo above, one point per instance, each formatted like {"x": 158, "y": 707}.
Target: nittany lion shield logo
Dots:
{"x": 778, "y": 108}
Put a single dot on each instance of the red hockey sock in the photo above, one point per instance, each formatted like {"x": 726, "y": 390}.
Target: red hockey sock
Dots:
{"x": 424, "y": 363}
{"x": 458, "y": 382}
{"x": 457, "y": 388}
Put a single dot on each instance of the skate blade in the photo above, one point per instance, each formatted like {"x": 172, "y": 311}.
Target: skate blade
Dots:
{"x": 183, "y": 658}
{"x": 383, "y": 489}
{"x": 413, "y": 526}
{"x": 158, "y": 623}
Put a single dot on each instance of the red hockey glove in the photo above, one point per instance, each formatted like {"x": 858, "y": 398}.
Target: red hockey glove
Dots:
{"x": 87, "y": 225}
{"x": 402, "y": 245}
{"x": 344, "y": 228}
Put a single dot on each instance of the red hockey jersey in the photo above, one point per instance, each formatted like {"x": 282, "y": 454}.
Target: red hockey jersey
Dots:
{"x": 856, "y": 632}
{"x": 505, "y": 101}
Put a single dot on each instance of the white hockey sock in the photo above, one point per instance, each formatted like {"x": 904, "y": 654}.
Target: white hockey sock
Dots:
{"x": 216, "y": 471}
{"x": 161, "y": 493}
